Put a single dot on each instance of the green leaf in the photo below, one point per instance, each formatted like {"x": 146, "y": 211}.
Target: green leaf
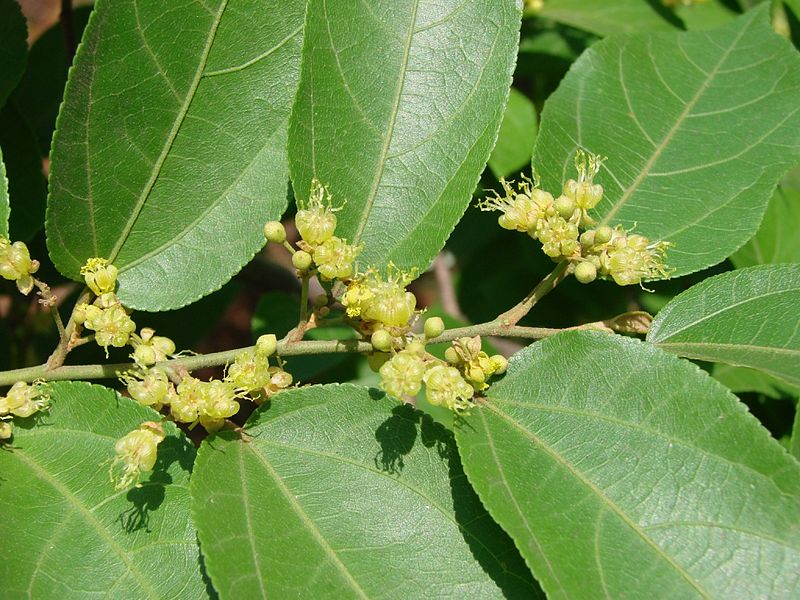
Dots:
{"x": 630, "y": 473}
{"x": 776, "y": 240}
{"x": 4, "y": 204}
{"x": 514, "y": 146}
{"x": 742, "y": 379}
{"x": 398, "y": 110}
{"x": 13, "y": 47}
{"x": 73, "y": 535}
{"x": 27, "y": 186}
{"x": 698, "y": 16}
{"x": 603, "y": 18}
{"x": 698, "y": 129}
{"x": 746, "y": 318}
{"x": 339, "y": 492}
{"x": 169, "y": 153}
{"x": 794, "y": 443}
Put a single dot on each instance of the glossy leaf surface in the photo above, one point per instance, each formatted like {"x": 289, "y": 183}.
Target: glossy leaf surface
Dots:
{"x": 73, "y": 535}
{"x": 603, "y": 17}
{"x": 776, "y": 240}
{"x": 339, "y": 492}
{"x": 656, "y": 105}
{"x": 398, "y": 110}
{"x": 747, "y": 318}
{"x": 620, "y": 472}
{"x": 514, "y": 146}
{"x": 169, "y": 153}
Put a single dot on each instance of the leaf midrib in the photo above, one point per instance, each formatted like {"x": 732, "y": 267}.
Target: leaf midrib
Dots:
{"x": 387, "y": 140}
{"x": 634, "y": 527}
{"x": 672, "y": 131}
{"x": 89, "y": 518}
{"x": 176, "y": 126}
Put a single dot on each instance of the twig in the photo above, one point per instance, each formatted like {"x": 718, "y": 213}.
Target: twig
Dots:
{"x": 546, "y": 285}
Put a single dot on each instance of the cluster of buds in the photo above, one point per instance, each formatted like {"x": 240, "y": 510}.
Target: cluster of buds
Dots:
{"x": 23, "y": 399}
{"x": 452, "y": 383}
{"x": 475, "y": 365}
{"x": 149, "y": 348}
{"x": 611, "y": 253}
{"x": 320, "y": 251}
{"x": 206, "y": 402}
{"x": 252, "y": 374}
{"x": 16, "y": 264}
{"x": 106, "y": 316}
{"x": 382, "y": 303}
{"x": 136, "y": 453}
{"x": 624, "y": 257}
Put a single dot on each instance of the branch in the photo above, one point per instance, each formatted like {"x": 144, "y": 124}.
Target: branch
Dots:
{"x": 285, "y": 348}
{"x": 546, "y": 285}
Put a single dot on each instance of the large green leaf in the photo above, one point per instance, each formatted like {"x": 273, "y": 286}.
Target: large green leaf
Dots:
{"x": 4, "y": 204}
{"x": 624, "y": 472}
{"x": 398, "y": 109}
{"x": 517, "y": 135}
{"x": 169, "y": 152}
{"x": 68, "y": 533}
{"x": 603, "y": 17}
{"x": 776, "y": 240}
{"x": 747, "y": 318}
{"x": 13, "y": 47}
{"x": 697, "y": 128}
{"x": 742, "y": 379}
{"x": 339, "y": 492}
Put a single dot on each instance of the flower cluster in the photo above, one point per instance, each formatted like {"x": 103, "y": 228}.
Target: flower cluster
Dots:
{"x": 136, "y": 453}
{"x": 556, "y": 222}
{"x": 381, "y": 302}
{"x": 22, "y": 400}
{"x": 16, "y": 264}
{"x": 320, "y": 251}
{"x": 451, "y": 383}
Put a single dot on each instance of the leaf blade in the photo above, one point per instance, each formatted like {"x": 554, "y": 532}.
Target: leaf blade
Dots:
{"x": 383, "y": 93}
{"x": 335, "y": 522}
{"x": 608, "y": 474}
{"x": 655, "y": 105}
{"x": 205, "y": 128}
{"x": 74, "y": 534}
{"x": 737, "y": 318}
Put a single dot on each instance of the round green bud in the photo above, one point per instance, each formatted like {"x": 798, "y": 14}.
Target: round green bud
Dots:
{"x": 416, "y": 347}
{"x": 267, "y": 344}
{"x": 301, "y": 260}
{"x": 565, "y": 206}
{"x": 588, "y": 239}
{"x": 381, "y": 340}
{"x": 499, "y": 363}
{"x": 602, "y": 235}
{"x": 275, "y": 232}
{"x": 376, "y": 360}
{"x": 451, "y": 356}
{"x": 585, "y": 272}
{"x": 434, "y": 327}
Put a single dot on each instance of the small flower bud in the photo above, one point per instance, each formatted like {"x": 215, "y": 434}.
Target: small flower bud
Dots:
{"x": 137, "y": 453}
{"x": 603, "y": 234}
{"x": 445, "y": 387}
{"x": 23, "y": 399}
{"x": 16, "y": 264}
{"x": 320, "y": 300}
{"x": 6, "y": 430}
{"x": 334, "y": 258}
{"x": 451, "y": 356}
{"x": 416, "y": 347}
{"x": 559, "y": 237}
{"x": 301, "y": 260}
{"x": 382, "y": 340}
{"x": 266, "y": 345}
{"x": 585, "y": 272}
{"x": 112, "y": 326}
{"x": 275, "y": 232}
{"x": 565, "y": 206}
{"x": 149, "y": 387}
{"x": 499, "y": 363}
{"x": 316, "y": 221}
{"x": 100, "y": 276}
{"x": 402, "y": 375}
{"x": 587, "y": 238}
{"x": 149, "y": 348}
{"x": 434, "y": 327}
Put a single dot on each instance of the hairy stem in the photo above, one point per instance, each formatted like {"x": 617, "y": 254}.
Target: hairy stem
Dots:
{"x": 286, "y": 347}
{"x": 513, "y": 315}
